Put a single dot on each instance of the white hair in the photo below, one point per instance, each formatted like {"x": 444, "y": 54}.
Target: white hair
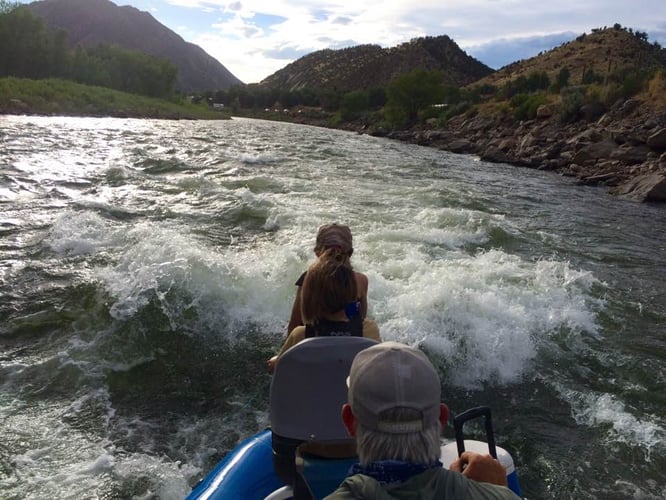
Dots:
{"x": 421, "y": 447}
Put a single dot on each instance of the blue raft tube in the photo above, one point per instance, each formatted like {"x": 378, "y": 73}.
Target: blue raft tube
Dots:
{"x": 246, "y": 473}
{"x": 316, "y": 366}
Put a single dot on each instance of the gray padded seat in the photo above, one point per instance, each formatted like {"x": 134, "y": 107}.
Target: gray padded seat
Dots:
{"x": 309, "y": 388}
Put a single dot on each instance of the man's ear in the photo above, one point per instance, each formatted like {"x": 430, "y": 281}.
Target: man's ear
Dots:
{"x": 349, "y": 419}
{"x": 443, "y": 414}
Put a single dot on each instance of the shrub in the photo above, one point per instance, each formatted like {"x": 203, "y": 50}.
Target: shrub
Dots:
{"x": 457, "y": 109}
{"x": 525, "y": 105}
{"x": 572, "y": 98}
{"x": 607, "y": 95}
{"x": 656, "y": 87}
{"x": 561, "y": 80}
{"x": 590, "y": 76}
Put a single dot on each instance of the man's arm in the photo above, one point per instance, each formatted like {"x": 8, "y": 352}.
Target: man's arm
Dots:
{"x": 483, "y": 468}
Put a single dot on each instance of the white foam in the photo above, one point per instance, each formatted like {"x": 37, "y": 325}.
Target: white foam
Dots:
{"x": 49, "y": 469}
{"x": 80, "y": 233}
{"x": 235, "y": 285}
{"x": 483, "y": 313}
{"x": 166, "y": 480}
{"x": 604, "y": 410}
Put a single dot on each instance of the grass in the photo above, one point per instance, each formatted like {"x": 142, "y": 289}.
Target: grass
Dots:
{"x": 62, "y": 97}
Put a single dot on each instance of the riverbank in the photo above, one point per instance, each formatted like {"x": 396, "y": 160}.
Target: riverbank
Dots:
{"x": 622, "y": 149}
{"x": 22, "y": 96}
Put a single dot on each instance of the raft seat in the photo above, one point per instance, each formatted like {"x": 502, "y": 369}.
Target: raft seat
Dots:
{"x": 306, "y": 396}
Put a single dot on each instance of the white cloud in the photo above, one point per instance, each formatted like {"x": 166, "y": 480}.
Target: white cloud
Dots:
{"x": 255, "y": 38}
{"x": 249, "y": 48}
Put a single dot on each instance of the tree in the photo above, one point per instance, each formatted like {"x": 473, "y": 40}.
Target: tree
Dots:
{"x": 376, "y": 97}
{"x": 25, "y": 42}
{"x": 353, "y": 103}
{"x": 409, "y": 94}
{"x": 6, "y": 6}
{"x": 562, "y": 79}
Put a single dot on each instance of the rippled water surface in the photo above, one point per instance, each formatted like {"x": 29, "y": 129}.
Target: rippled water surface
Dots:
{"x": 147, "y": 270}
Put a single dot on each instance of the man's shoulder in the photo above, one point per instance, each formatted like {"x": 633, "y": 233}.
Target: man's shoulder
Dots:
{"x": 431, "y": 484}
{"x": 458, "y": 484}
{"x": 358, "y": 486}
{"x": 488, "y": 491}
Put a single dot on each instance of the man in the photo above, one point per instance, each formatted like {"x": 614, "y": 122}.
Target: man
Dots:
{"x": 394, "y": 411}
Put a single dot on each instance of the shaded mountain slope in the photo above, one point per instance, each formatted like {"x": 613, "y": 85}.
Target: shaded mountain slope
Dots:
{"x": 91, "y": 22}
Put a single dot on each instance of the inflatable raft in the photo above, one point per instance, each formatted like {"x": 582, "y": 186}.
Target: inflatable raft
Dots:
{"x": 269, "y": 465}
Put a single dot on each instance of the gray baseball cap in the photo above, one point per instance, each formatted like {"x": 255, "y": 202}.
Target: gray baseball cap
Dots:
{"x": 393, "y": 375}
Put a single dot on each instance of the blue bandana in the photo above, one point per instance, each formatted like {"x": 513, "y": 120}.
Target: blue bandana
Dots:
{"x": 392, "y": 471}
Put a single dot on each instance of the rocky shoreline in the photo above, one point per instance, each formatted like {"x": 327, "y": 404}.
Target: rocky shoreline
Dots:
{"x": 623, "y": 148}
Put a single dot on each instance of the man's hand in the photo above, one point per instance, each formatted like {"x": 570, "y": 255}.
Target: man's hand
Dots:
{"x": 482, "y": 468}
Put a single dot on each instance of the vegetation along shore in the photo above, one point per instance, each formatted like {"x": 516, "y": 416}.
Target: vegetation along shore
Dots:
{"x": 593, "y": 108}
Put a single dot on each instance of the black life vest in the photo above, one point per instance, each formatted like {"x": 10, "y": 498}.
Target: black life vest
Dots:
{"x": 327, "y": 328}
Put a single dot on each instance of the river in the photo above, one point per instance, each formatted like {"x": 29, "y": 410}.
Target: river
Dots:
{"x": 147, "y": 270}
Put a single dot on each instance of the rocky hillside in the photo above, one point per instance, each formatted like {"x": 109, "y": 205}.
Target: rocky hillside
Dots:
{"x": 607, "y": 137}
{"x": 602, "y": 52}
{"x": 366, "y": 66}
{"x": 624, "y": 150}
{"x": 90, "y": 22}
{"x": 617, "y": 142}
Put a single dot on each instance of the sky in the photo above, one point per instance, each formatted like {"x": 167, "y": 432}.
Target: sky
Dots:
{"x": 255, "y": 38}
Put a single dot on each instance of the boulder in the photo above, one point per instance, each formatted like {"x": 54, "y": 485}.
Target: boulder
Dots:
{"x": 460, "y": 146}
{"x": 592, "y": 111}
{"x": 587, "y": 136}
{"x": 595, "y": 151}
{"x": 631, "y": 155}
{"x": 658, "y": 139}
{"x": 494, "y": 154}
{"x": 629, "y": 105}
{"x": 507, "y": 144}
{"x": 649, "y": 187}
{"x": 554, "y": 164}
{"x": 605, "y": 121}
{"x": 544, "y": 111}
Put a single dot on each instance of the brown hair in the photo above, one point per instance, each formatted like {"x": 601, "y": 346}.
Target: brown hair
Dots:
{"x": 328, "y": 287}
{"x": 337, "y": 236}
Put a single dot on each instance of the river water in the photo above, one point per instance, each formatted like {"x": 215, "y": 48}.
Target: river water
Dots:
{"x": 147, "y": 270}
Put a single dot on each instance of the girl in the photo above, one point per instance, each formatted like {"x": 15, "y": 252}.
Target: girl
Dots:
{"x": 329, "y": 286}
{"x": 335, "y": 237}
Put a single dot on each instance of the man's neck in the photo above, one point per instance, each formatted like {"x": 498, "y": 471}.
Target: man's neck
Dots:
{"x": 393, "y": 471}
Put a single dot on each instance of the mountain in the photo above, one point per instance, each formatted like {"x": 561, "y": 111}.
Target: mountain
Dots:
{"x": 605, "y": 126}
{"x": 91, "y": 22}
{"x": 366, "y": 66}
{"x": 603, "y": 52}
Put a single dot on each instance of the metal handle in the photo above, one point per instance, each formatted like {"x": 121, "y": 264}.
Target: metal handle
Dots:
{"x": 472, "y": 413}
